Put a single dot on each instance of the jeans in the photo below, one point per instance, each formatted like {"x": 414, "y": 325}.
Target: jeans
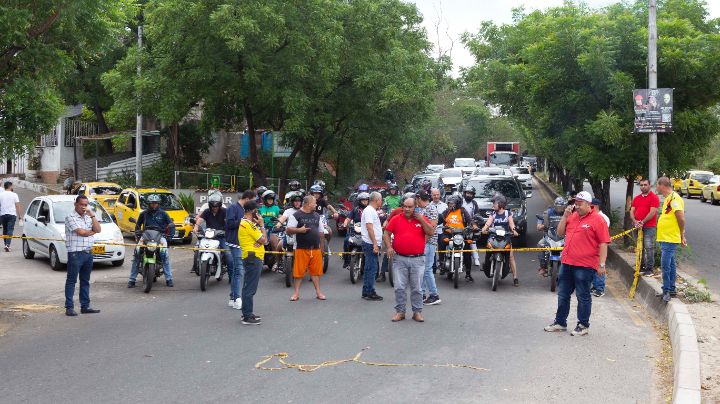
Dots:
{"x": 79, "y": 263}
{"x": 667, "y": 263}
{"x": 237, "y": 273}
{"x": 408, "y": 272}
{"x": 253, "y": 266}
{"x": 577, "y": 279}
{"x": 371, "y": 267}
{"x": 164, "y": 256}
{"x": 428, "y": 284}
{"x": 8, "y": 225}
{"x": 599, "y": 282}
{"x": 649, "y": 236}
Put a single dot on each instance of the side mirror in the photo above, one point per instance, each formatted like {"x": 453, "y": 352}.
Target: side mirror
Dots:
{"x": 528, "y": 194}
{"x": 132, "y": 220}
{"x": 42, "y": 219}
{"x": 131, "y": 205}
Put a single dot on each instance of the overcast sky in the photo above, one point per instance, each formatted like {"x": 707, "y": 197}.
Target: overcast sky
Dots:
{"x": 458, "y": 16}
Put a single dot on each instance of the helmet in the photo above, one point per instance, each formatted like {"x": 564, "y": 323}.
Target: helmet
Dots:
{"x": 320, "y": 182}
{"x": 426, "y": 184}
{"x": 454, "y": 200}
{"x": 363, "y": 195}
{"x": 268, "y": 195}
{"x": 500, "y": 200}
{"x": 388, "y": 170}
{"x": 470, "y": 189}
{"x": 560, "y": 201}
{"x": 295, "y": 196}
{"x": 363, "y": 188}
{"x": 154, "y": 198}
{"x": 393, "y": 186}
{"x": 215, "y": 200}
{"x": 317, "y": 189}
{"x": 294, "y": 185}
{"x": 261, "y": 189}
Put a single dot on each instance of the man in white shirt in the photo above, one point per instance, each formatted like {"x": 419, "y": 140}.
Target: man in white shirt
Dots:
{"x": 10, "y": 211}
{"x": 371, "y": 231}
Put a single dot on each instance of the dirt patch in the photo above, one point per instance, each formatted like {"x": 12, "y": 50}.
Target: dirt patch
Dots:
{"x": 663, "y": 374}
{"x": 706, "y": 317}
{"x": 11, "y": 313}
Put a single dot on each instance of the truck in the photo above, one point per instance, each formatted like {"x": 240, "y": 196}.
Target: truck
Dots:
{"x": 503, "y": 154}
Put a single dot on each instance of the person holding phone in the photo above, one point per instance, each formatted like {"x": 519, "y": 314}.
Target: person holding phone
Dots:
{"x": 81, "y": 226}
{"x": 307, "y": 226}
{"x": 252, "y": 238}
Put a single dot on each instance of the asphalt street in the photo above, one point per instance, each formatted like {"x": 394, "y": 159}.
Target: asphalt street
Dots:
{"x": 184, "y": 345}
{"x": 701, "y": 232}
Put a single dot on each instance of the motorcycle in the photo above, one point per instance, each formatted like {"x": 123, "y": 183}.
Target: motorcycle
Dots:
{"x": 326, "y": 245}
{"x": 286, "y": 260}
{"x": 499, "y": 267}
{"x": 454, "y": 260}
{"x": 357, "y": 259}
{"x": 553, "y": 241}
{"x": 149, "y": 255}
{"x": 210, "y": 261}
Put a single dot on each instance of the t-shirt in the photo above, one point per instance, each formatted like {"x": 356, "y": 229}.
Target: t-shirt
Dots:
{"x": 370, "y": 215}
{"x": 287, "y": 214}
{"x": 441, "y": 207}
{"x": 409, "y": 235}
{"x": 311, "y": 239}
{"x": 248, "y": 236}
{"x": 8, "y": 199}
{"x": 268, "y": 213}
{"x": 431, "y": 214}
{"x": 392, "y": 201}
{"x": 470, "y": 207}
{"x": 455, "y": 219}
{"x": 501, "y": 220}
{"x": 214, "y": 221}
{"x": 642, "y": 204}
{"x": 668, "y": 229}
{"x": 321, "y": 207}
{"x": 583, "y": 236}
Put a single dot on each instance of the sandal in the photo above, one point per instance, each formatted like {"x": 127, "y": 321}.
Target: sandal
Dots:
{"x": 321, "y": 297}
{"x": 294, "y": 298}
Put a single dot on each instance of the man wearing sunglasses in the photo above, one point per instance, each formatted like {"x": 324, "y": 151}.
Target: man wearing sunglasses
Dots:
{"x": 644, "y": 212}
{"x": 670, "y": 233}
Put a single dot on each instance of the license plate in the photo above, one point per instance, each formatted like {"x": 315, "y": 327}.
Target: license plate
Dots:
{"x": 457, "y": 255}
{"x": 177, "y": 233}
{"x": 98, "y": 249}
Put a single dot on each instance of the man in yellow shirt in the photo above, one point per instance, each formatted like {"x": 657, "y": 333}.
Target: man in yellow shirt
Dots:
{"x": 670, "y": 233}
{"x": 252, "y": 239}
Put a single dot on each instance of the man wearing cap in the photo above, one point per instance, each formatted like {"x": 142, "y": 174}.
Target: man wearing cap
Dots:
{"x": 598, "y": 285}
{"x": 586, "y": 243}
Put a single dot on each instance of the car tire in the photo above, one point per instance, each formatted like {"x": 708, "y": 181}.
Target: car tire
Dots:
{"x": 713, "y": 201}
{"x": 702, "y": 197}
{"x": 27, "y": 252}
{"x": 118, "y": 263}
{"x": 55, "y": 263}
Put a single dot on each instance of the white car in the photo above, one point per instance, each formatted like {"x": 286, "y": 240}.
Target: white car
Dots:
{"x": 523, "y": 175}
{"x": 45, "y": 218}
{"x": 467, "y": 165}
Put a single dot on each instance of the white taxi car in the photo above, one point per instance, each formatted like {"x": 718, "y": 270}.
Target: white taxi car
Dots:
{"x": 45, "y": 219}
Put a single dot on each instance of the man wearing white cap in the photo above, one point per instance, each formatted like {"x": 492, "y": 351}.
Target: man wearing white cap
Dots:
{"x": 586, "y": 242}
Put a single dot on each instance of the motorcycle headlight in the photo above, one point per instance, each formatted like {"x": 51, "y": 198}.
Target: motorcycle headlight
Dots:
{"x": 458, "y": 239}
{"x": 358, "y": 228}
{"x": 210, "y": 233}
{"x": 152, "y": 247}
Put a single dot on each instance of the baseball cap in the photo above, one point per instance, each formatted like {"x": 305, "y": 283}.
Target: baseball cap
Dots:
{"x": 596, "y": 201}
{"x": 424, "y": 195}
{"x": 584, "y": 196}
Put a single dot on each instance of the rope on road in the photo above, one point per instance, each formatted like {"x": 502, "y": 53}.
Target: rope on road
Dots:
{"x": 638, "y": 263}
{"x": 282, "y": 356}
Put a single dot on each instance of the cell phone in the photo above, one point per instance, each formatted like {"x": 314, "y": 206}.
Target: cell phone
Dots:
{"x": 571, "y": 201}
{"x": 417, "y": 210}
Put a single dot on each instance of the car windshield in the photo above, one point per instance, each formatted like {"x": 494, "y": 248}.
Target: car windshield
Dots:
{"x": 715, "y": 179}
{"x": 488, "y": 189}
{"x": 168, "y": 201}
{"x": 105, "y": 190}
{"x": 464, "y": 163}
{"x": 703, "y": 178}
{"x": 451, "y": 172}
{"x": 505, "y": 159}
{"x": 63, "y": 208}
{"x": 520, "y": 170}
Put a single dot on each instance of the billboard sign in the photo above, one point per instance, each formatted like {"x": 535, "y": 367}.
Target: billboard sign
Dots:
{"x": 653, "y": 110}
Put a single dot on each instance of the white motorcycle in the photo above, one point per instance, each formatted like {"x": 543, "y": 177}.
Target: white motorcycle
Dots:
{"x": 210, "y": 261}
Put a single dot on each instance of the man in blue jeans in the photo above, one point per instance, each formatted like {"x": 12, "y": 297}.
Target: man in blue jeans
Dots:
{"x": 586, "y": 242}
{"x": 598, "y": 283}
{"x": 429, "y": 286}
{"x": 80, "y": 229}
{"x": 670, "y": 234}
{"x": 371, "y": 230}
{"x": 233, "y": 217}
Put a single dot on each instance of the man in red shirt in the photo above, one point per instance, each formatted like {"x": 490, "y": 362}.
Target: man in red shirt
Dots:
{"x": 644, "y": 214}
{"x": 407, "y": 251}
{"x": 586, "y": 243}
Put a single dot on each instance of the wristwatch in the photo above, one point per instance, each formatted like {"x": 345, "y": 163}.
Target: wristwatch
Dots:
{"x": 602, "y": 265}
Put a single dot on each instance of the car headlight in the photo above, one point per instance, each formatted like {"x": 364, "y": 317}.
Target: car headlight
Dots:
{"x": 187, "y": 220}
{"x": 118, "y": 237}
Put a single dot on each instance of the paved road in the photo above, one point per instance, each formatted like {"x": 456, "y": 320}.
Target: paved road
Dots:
{"x": 183, "y": 345}
{"x": 702, "y": 234}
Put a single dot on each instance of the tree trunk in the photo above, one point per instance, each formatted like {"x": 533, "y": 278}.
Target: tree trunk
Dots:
{"x": 601, "y": 190}
{"x": 628, "y": 220}
{"x": 299, "y": 143}
{"x": 100, "y": 118}
{"x": 255, "y": 165}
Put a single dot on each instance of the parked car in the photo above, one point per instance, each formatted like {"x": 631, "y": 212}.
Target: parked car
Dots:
{"x": 132, "y": 202}
{"x": 523, "y": 175}
{"x": 694, "y": 182}
{"x": 106, "y": 193}
{"x": 711, "y": 191}
{"x": 45, "y": 219}
{"x": 530, "y": 162}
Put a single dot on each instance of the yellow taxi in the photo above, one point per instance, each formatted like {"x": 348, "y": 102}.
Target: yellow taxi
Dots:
{"x": 694, "y": 182}
{"x": 106, "y": 193}
{"x": 711, "y": 191}
{"x": 132, "y": 202}
{"x": 676, "y": 183}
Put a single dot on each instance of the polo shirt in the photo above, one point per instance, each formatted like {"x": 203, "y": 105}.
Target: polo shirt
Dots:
{"x": 668, "y": 229}
{"x": 409, "y": 235}
{"x": 248, "y": 235}
{"x": 642, "y": 204}
{"x": 583, "y": 236}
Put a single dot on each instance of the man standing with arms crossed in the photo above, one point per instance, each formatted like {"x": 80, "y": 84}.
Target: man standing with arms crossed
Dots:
{"x": 644, "y": 215}
{"x": 372, "y": 240}
{"x": 586, "y": 243}
{"x": 670, "y": 234}
{"x": 10, "y": 212}
{"x": 407, "y": 251}
{"x": 80, "y": 227}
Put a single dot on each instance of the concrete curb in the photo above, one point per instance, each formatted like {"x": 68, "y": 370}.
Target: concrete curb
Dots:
{"x": 686, "y": 353}
{"x": 33, "y": 186}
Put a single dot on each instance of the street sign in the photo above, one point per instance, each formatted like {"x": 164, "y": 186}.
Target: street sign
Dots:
{"x": 215, "y": 181}
{"x": 653, "y": 110}
{"x": 278, "y": 149}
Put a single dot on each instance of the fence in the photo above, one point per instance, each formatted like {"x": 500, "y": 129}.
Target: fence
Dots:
{"x": 203, "y": 181}
{"x": 125, "y": 166}
{"x": 14, "y": 166}
{"x": 78, "y": 129}
{"x": 48, "y": 139}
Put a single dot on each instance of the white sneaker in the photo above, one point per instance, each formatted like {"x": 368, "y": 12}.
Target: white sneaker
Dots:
{"x": 476, "y": 262}
{"x": 554, "y": 327}
{"x": 238, "y": 304}
{"x": 231, "y": 303}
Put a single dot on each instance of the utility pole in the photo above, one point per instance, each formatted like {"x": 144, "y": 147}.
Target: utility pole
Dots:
{"x": 138, "y": 123}
{"x": 652, "y": 84}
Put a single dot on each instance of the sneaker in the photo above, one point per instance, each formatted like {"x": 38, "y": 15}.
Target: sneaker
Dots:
{"x": 374, "y": 297}
{"x": 516, "y": 282}
{"x": 131, "y": 284}
{"x": 469, "y": 278}
{"x": 251, "y": 320}
{"x": 169, "y": 283}
{"x": 382, "y": 278}
{"x": 433, "y": 300}
{"x": 554, "y": 327}
{"x": 647, "y": 273}
{"x": 7, "y": 248}
{"x": 593, "y": 290}
{"x": 598, "y": 293}
{"x": 476, "y": 262}
{"x": 237, "y": 304}
{"x": 231, "y": 303}
{"x": 579, "y": 330}
{"x": 666, "y": 297}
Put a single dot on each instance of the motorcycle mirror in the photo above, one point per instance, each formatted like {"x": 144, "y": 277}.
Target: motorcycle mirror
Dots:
{"x": 132, "y": 220}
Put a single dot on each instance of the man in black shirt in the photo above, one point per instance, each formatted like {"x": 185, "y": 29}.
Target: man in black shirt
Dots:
{"x": 306, "y": 225}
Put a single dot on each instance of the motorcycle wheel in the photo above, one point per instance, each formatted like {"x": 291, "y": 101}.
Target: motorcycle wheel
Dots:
{"x": 326, "y": 257}
{"x": 390, "y": 272}
{"x": 554, "y": 268}
{"x": 288, "y": 269}
{"x": 203, "y": 275}
{"x": 497, "y": 272}
{"x": 148, "y": 277}
{"x": 456, "y": 272}
{"x": 355, "y": 267}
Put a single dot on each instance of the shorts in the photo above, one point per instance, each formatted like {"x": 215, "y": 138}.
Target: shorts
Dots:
{"x": 308, "y": 261}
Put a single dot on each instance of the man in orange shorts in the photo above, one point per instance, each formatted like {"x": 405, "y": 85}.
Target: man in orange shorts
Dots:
{"x": 305, "y": 224}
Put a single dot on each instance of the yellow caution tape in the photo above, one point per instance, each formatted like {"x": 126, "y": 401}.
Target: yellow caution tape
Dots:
{"x": 282, "y": 356}
{"x": 638, "y": 263}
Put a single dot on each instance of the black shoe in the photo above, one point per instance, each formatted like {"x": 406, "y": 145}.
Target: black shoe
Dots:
{"x": 469, "y": 278}
{"x": 666, "y": 297}
{"x": 251, "y": 320}
{"x": 432, "y": 300}
{"x": 593, "y": 290}
{"x": 88, "y": 310}
{"x": 598, "y": 293}
{"x": 516, "y": 282}
{"x": 373, "y": 297}
{"x": 170, "y": 283}
{"x": 70, "y": 313}
{"x": 382, "y": 278}
{"x": 131, "y": 284}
